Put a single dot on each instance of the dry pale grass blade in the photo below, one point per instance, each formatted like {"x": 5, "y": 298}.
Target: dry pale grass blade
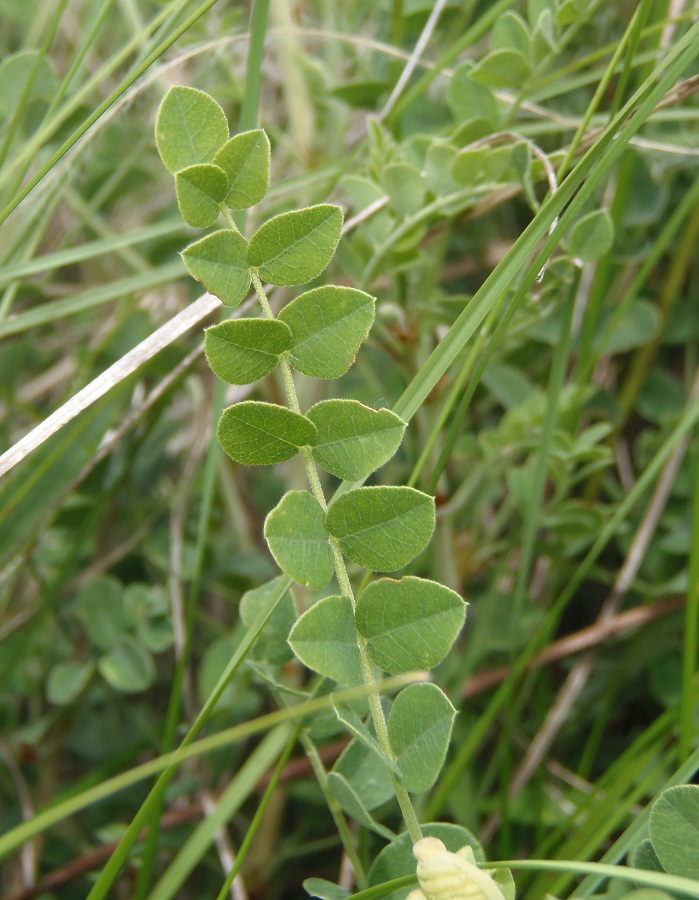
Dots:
{"x": 193, "y": 315}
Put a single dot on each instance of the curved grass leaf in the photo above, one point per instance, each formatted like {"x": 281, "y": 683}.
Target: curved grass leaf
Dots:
{"x": 190, "y": 128}
{"x": 382, "y": 528}
{"x": 245, "y": 160}
{"x": 353, "y": 439}
{"x": 218, "y": 262}
{"x": 419, "y": 727}
{"x": 242, "y": 350}
{"x": 200, "y": 190}
{"x": 260, "y": 434}
{"x": 329, "y": 324}
{"x": 294, "y": 247}
{"x": 297, "y": 539}
{"x": 325, "y": 640}
{"x": 408, "y": 624}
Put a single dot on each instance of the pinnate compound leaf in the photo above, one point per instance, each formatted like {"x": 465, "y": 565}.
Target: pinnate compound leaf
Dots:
{"x": 329, "y": 324}
{"x": 260, "y": 434}
{"x": 218, "y": 262}
{"x": 297, "y": 539}
{"x": 128, "y": 668}
{"x": 353, "y": 439}
{"x": 190, "y": 128}
{"x": 240, "y": 351}
{"x": 382, "y": 528}
{"x": 419, "y": 728}
{"x": 200, "y": 190}
{"x": 294, "y": 247}
{"x": 325, "y": 640}
{"x": 408, "y": 624}
{"x": 245, "y": 160}
{"x": 271, "y": 645}
{"x": 674, "y": 830}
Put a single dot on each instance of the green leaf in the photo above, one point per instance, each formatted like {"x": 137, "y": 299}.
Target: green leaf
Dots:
{"x": 511, "y": 33}
{"x": 325, "y": 640}
{"x": 592, "y": 236}
{"x": 674, "y": 830}
{"x": 408, "y": 624}
{"x": 100, "y": 608}
{"x": 502, "y": 69}
{"x": 66, "y": 680}
{"x": 405, "y": 187}
{"x": 245, "y": 160}
{"x": 481, "y": 165}
{"x": 419, "y": 728}
{"x": 240, "y": 351}
{"x": 200, "y": 190}
{"x": 468, "y": 99}
{"x": 271, "y": 646}
{"x": 128, "y": 668}
{"x": 297, "y": 539}
{"x": 365, "y": 772}
{"x": 353, "y": 439}
{"x": 218, "y": 261}
{"x": 294, "y": 247}
{"x": 260, "y": 434}
{"x": 190, "y": 128}
{"x": 328, "y": 324}
{"x": 353, "y": 723}
{"x": 382, "y": 528}
{"x": 345, "y": 794}
{"x": 324, "y": 890}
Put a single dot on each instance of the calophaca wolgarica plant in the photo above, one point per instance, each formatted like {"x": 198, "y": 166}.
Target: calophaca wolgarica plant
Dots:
{"x": 391, "y": 625}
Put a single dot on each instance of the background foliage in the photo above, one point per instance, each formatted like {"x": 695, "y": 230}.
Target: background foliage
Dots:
{"x": 559, "y": 441}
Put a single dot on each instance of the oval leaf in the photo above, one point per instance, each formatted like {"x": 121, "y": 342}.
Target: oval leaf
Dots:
{"x": 419, "y": 728}
{"x": 128, "y": 668}
{"x": 353, "y": 439}
{"x": 592, "y": 236}
{"x": 325, "y": 640}
{"x": 502, "y": 69}
{"x": 405, "y": 187}
{"x": 674, "y": 830}
{"x": 66, "y": 680}
{"x": 296, "y": 246}
{"x": 242, "y": 350}
{"x": 200, "y": 190}
{"x": 349, "y": 800}
{"x": 260, "y": 434}
{"x": 190, "y": 128}
{"x": 382, "y": 528}
{"x": 297, "y": 539}
{"x": 328, "y": 324}
{"x": 408, "y": 624}
{"x": 218, "y": 262}
{"x": 366, "y": 773}
{"x": 245, "y": 160}
{"x": 271, "y": 646}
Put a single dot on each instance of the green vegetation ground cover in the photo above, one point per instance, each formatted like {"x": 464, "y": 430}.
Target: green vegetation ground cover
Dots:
{"x": 511, "y": 309}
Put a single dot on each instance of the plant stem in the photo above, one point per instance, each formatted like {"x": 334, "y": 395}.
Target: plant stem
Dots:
{"x": 374, "y": 698}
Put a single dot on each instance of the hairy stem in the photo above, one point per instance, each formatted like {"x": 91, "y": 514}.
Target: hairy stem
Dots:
{"x": 374, "y": 697}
